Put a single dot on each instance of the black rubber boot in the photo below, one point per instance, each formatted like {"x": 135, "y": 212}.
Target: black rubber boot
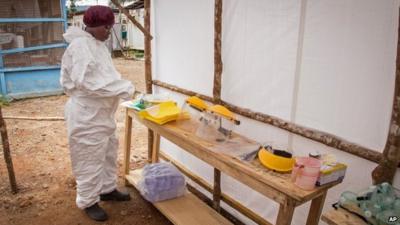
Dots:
{"x": 95, "y": 212}
{"x": 115, "y": 196}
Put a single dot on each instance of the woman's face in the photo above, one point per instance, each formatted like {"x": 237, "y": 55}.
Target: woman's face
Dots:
{"x": 102, "y": 33}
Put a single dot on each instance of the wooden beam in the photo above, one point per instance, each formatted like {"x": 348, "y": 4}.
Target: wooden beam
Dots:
{"x": 181, "y": 90}
{"x": 132, "y": 19}
{"x": 34, "y": 118}
{"x": 127, "y": 145}
{"x": 217, "y": 190}
{"x": 387, "y": 167}
{"x": 127, "y": 142}
{"x": 147, "y": 48}
{"x": 315, "y": 211}
{"x": 285, "y": 214}
{"x": 147, "y": 67}
{"x": 217, "y": 50}
{"x": 315, "y": 135}
{"x": 7, "y": 154}
{"x": 156, "y": 148}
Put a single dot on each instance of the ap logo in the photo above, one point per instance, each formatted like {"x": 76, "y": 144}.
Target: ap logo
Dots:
{"x": 392, "y": 219}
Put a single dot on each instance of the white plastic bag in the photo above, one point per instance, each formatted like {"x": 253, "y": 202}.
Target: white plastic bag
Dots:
{"x": 161, "y": 181}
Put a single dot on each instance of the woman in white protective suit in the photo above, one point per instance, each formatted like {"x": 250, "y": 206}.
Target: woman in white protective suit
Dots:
{"x": 90, "y": 79}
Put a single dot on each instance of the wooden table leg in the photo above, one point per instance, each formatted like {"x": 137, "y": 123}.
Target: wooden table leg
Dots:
{"x": 316, "y": 209}
{"x": 217, "y": 190}
{"x": 156, "y": 148}
{"x": 150, "y": 142}
{"x": 285, "y": 214}
{"x": 127, "y": 145}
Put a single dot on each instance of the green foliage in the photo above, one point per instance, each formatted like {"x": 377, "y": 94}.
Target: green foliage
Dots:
{"x": 71, "y": 10}
{"x": 72, "y": 6}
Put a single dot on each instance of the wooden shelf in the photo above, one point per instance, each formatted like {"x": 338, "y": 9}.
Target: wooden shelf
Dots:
{"x": 184, "y": 210}
{"x": 341, "y": 217}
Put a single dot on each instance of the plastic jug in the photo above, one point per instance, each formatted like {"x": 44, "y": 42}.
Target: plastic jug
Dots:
{"x": 306, "y": 172}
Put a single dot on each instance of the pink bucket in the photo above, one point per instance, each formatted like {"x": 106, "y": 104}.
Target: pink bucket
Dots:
{"x": 305, "y": 172}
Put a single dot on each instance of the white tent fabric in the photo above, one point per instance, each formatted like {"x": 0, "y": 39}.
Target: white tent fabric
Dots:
{"x": 259, "y": 43}
{"x": 349, "y": 68}
{"x": 328, "y": 65}
{"x": 185, "y": 30}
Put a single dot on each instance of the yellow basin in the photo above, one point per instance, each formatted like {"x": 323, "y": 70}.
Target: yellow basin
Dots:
{"x": 275, "y": 162}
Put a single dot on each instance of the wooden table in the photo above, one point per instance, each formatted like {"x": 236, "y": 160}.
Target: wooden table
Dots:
{"x": 275, "y": 186}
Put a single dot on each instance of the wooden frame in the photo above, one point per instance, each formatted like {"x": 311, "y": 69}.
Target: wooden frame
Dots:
{"x": 148, "y": 65}
{"x": 287, "y": 205}
{"x": 217, "y": 51}
{"x": 388, "y": 161}
{"x": 315, "y": 135}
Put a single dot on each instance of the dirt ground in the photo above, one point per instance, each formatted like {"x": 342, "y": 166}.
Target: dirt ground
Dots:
{"x": 42, "y": 165}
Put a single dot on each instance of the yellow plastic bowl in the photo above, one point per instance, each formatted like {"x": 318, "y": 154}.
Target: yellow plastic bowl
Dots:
{"x": 274, "y": 162}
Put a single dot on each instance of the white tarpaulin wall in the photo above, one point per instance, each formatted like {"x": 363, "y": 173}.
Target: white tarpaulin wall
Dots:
{"x": 328, "y": 65}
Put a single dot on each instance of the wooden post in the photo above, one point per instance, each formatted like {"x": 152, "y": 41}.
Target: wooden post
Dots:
{"x": 147, "y": 68}
{"x": 387, "y": 167}
{"x": 217, "y": 51}
{"x": 7, "y": 154}
{"x": 156, "y": 148}
{"x": 316, "y": 209}
{"x": 127, "y": 145}
{"x": 286, "y": 211}
{"x": 217, "y": 190}
{"x": 132, "y": 19}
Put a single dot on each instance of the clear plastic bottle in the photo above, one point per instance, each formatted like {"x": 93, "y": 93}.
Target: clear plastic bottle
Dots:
{"x": 369, "y": 207}
{"x": 349, "y": 201}
{"x": 384, "y": 196}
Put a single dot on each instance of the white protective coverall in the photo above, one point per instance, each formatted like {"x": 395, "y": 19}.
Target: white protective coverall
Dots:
{"x": 95, "y": 87}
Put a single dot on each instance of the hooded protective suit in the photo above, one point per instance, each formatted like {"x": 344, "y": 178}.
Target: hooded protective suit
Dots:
{"x": 89, "y": 77}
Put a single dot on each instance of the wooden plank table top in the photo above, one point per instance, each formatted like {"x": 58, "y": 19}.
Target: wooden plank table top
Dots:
{"x": 276, "y": 186}
{"x": 181, "y": 133}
